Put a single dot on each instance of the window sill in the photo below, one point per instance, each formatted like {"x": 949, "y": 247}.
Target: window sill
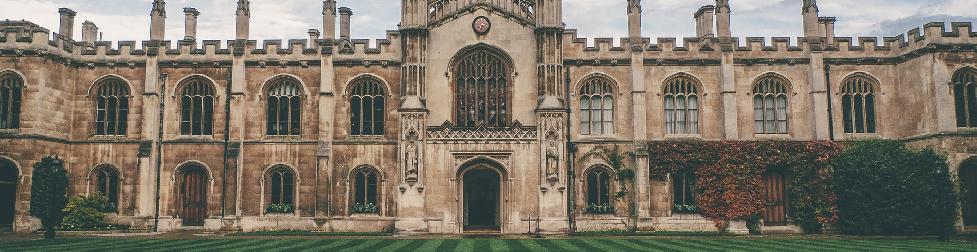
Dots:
{"x": 283, "y": 137}
{"x": 772, "y": 136}
{"x": 598, "y": 138}
{"x": 683, "y": 136}
{"x": 365, "y": 215}
{"x": 9, "y": 131}
{"x": 281, "y": 215}
{"x": 859, "y": 136}
{"x": 107, "y": 138}
{"x": 195, "y": 138}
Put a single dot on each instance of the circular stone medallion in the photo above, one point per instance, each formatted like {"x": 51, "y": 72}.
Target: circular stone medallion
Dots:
{"x": 481, "y": 25}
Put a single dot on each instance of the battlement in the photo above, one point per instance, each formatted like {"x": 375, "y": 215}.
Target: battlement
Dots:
{"x": 24, "y": 35}
{"x": 936, "y": 33}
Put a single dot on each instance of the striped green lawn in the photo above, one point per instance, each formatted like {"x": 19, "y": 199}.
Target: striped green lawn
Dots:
{"x": 479, "y": 245}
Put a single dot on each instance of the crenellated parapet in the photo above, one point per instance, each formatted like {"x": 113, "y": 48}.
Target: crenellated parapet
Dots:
{"x": 932, "y": 37}
{"x": 22, "y": 38}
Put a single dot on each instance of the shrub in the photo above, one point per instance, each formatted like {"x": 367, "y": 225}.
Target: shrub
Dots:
{"x": 48, "y": 193}
{"x": 885, "y": 188}
{"x": 368, "y": 208}
{"x": 280, "y": 208}
{"x": 600, "y": 209}
{"x": 85, "y": 213}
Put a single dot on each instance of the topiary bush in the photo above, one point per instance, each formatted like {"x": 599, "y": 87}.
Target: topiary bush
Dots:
{"x": 49, "y": 188}
{"x": 885, "y": 188}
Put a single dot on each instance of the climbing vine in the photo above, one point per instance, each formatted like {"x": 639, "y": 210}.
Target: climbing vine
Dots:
{"x": 729, "y": 176}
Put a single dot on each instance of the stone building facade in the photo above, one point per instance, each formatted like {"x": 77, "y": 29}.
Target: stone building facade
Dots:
{"x": 472, "y": 117}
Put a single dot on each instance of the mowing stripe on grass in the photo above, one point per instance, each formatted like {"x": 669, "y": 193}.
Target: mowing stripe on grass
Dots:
{"x": 295, "y": 245}
{"x": 350, "y": 247}
{"x": 602, "y": 244}
{"x": 638, "y": 245}
{"x": 662, "y": 244}
{"x": 180, "y": 245}
{"x": 122, "y": 245}
{"x": 758, "y": 245}
{"x": 447, "y": 245}
{"x": 687, "y": 245}
{"x": 325, "y": 245}
{"x": 393, "y": 246}
{"x": 267, "y": 245}
{"x": 819, "y": 244}
{"x": 500, "y": 245}
{"x": 461, "y": 246}
{"x": 901, "y": 245}
{"x": 426, "y": 246}
{"x": 482, "y": 245}
{"x": 613, "y": 245}
{"x": 727, "y": 246}
{"x": 561, "y": 244}
{"x": 533, "y": 245}
{"x": 584, "y": 245}
{"x": 375, "y": 246}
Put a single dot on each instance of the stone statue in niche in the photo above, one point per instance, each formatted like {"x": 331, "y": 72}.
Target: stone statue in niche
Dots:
{"x": 411, "y": 159}
{"x": 552, "y": 160}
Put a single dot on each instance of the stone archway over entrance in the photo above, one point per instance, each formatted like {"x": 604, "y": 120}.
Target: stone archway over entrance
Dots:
{"x": 968, "y": 180}
{"x": 481, "y": 193}
{"x": 8, "y": 193}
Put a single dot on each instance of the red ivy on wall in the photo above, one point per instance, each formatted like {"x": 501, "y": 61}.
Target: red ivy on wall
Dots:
{"x": 729, "y": 176}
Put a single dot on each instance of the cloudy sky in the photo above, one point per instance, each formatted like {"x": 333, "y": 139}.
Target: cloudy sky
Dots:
{"x": 285, "y": 19}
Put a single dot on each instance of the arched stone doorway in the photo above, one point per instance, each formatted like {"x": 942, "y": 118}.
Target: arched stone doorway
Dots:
{"x": 968, "y": 180}
{"x": 192, "y": 202}
{"x": 481, "y": 192}
{"x": 8, "y": 194}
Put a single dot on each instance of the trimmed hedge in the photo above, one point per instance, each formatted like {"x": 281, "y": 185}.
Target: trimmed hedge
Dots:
{"x": 885, "y": 188}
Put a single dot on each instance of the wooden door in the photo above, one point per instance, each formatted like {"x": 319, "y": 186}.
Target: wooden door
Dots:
{"x": 968, "y": 179}
{"x": 193, "y": 197}
{"x": 8, "y": 194}
{"x": 775, "y": 212}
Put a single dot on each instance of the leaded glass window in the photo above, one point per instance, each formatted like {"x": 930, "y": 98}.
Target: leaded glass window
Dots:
{"x": 482, "y": 80}
{"x": 597, "y": 107}
{"x": 111, "y": 107}
{"x": 770, "y": 107}
{"x": 282, "y": 186}
{"x": 367, "y": 107}
{"x": 197, "y": 107}
{"x": 682, "y": 106}
{"x": 11, "y": 93}
{"x": 858, "y": 105}
{"x": 284, "y": 107}
{"x": 965, "y": 97}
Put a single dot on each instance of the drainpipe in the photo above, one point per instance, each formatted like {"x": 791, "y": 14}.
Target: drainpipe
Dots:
{"x": 227, "y": 139}
{"x": 571, "y": 152}
{"x": 831, "y": 118}
{"x": 159, "y": 146}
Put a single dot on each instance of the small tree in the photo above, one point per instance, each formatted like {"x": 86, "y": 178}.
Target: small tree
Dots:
{"x": 619, "y": 160}
{"x": 48, "y": 193}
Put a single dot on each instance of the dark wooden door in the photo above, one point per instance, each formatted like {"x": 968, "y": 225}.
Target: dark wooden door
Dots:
{"x": 482, "y": 199}
{"x": 193, "y": 197}
{"x": 8, "y": 194}
{"x": 968, "y": 179}
{"x": 775, "y": 212}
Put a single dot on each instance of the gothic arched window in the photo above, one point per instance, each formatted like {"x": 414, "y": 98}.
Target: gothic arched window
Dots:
{"x": 858, "y": 105}
{"x": 107, "y": 183}
{"x": 682, "y": 106}
{"x": 684, "y": 191}
{"x": 598, "y": 187}
{"x": 482, "y": 89}
{"x": 11, "y": 92}
{"x": 111, "y": 107}
{"x": 367, "y": 109}
{"x": 597, "y": 107}
{"x": 770, "y": 105}
{"x": 365, "y": 191}
{"x": 282, "y": 191}
{"x": 284, "y": 107}
{"x": 197, "y": 107}
{"x": 965, "y": 97}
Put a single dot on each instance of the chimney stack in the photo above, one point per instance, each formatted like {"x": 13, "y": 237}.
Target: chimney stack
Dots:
{"x": 67, "y": 22}
{"x": 329, "y": 19}
{"x": 344, "y": 15}
{"x": 810, "y": 13}
{"x": 313, "y": 36}
{"x": 191, "y": 23}
{"x": 157, "y": 20}
{"x": 243, "y": 19}
{"x": 722, "y": 19}
{"x": 828, "y": 24}
{"x": 704, "y": 21}
{"x": 89, "y": 32}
